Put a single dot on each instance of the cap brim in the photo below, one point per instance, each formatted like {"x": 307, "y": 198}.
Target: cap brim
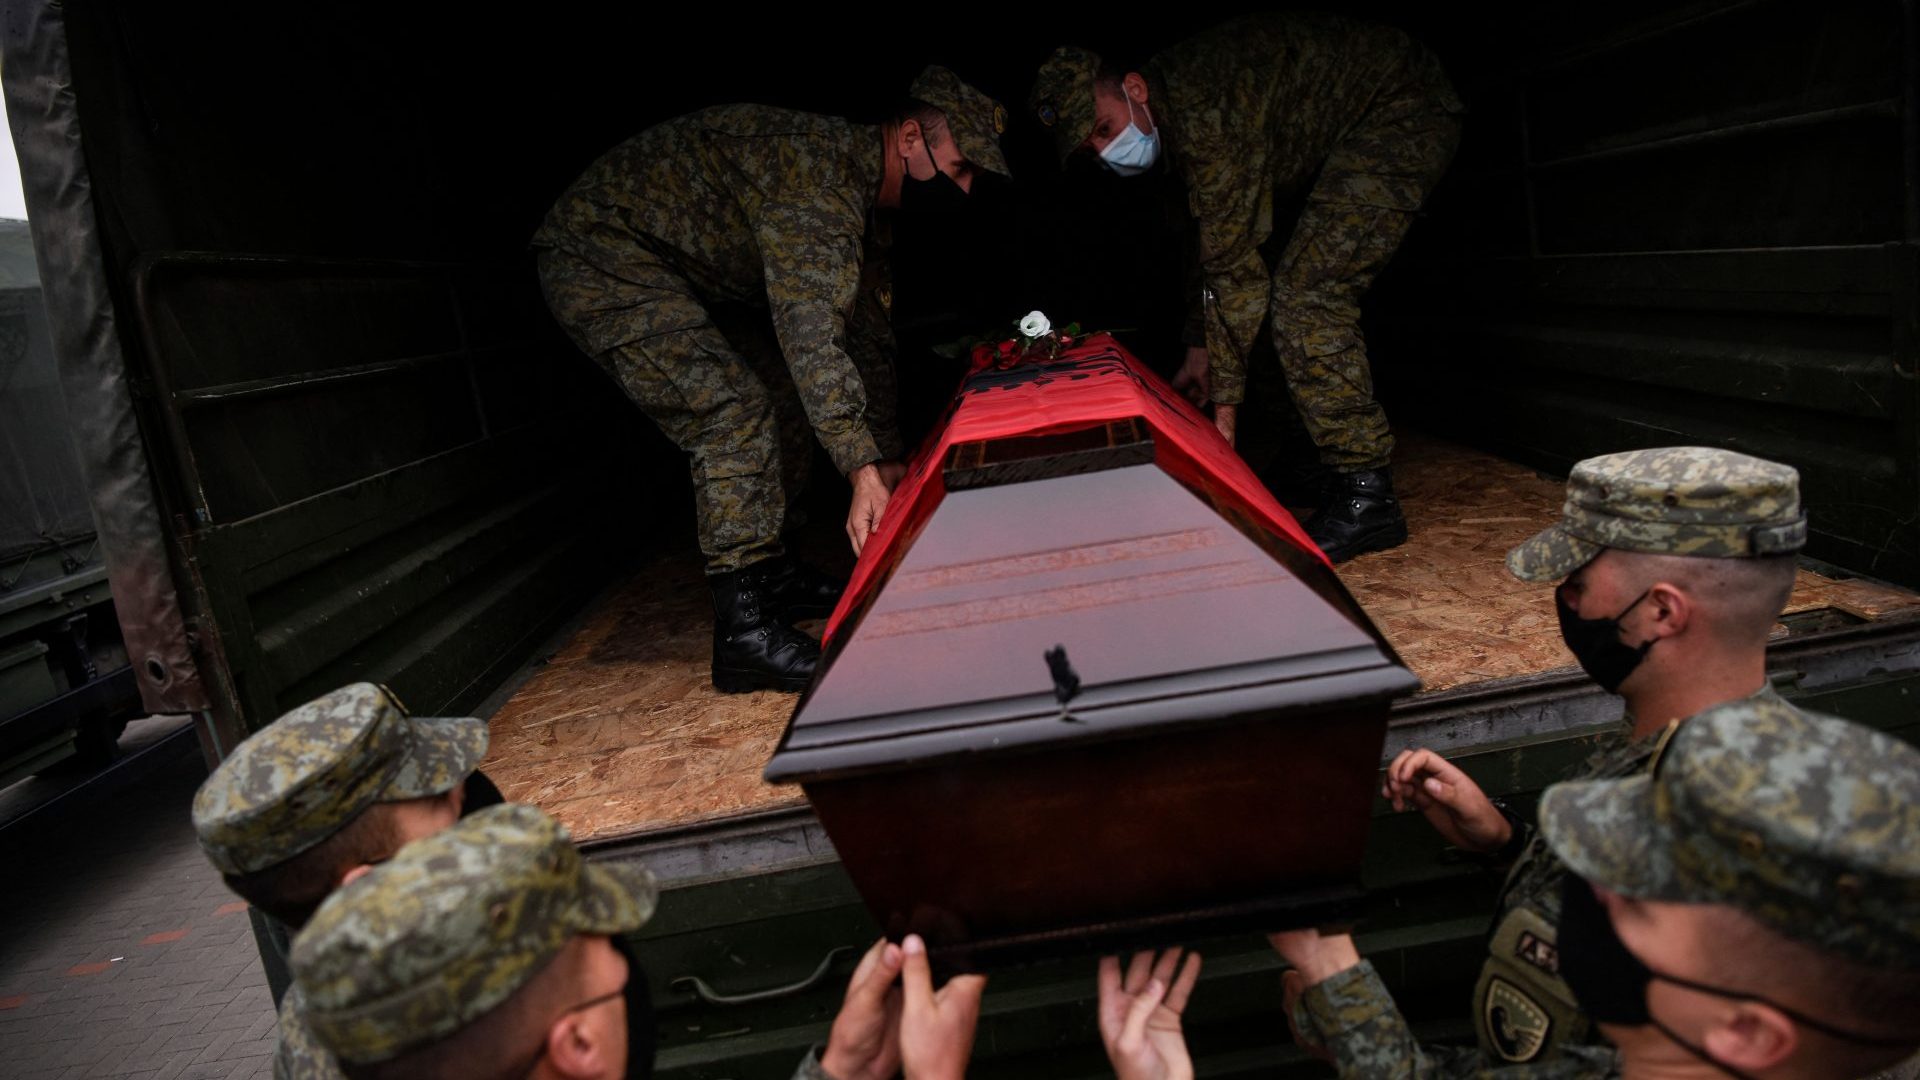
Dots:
{"x": 1550, "y": 555}
{"x": 445, "y": 750}
{"x": 983, "y": 152}
{"x": 1606, "y": 831}
{"x": 620, "y": 898}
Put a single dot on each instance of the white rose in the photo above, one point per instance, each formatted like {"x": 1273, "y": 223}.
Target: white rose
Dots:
{"x": 1035, "y": 325}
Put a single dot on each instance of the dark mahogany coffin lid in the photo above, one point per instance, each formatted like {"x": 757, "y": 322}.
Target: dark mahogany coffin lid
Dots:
{"x": 1169, "y": 615}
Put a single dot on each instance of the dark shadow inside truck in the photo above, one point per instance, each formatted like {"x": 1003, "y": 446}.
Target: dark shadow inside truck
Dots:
{"x": 371, "y": 454}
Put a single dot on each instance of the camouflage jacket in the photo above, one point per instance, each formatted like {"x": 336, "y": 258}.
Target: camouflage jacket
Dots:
{"x": 1252, "y": 108}
{"x": 298, "y": 1055}
{"x": 1522, "y": 1009}
{"x": 1353, "y": 1016}
{"x": 754, "y": 205}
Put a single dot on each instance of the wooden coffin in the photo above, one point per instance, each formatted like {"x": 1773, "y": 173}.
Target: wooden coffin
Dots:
{"x": 1082, "y": 701}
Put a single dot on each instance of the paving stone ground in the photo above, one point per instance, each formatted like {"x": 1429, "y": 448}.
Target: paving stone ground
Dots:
{"x": 121, "y": 953}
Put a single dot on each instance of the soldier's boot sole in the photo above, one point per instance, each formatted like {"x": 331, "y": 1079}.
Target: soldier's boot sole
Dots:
{"x": 1386, "y": 535}
{"x": 738, "y": 681}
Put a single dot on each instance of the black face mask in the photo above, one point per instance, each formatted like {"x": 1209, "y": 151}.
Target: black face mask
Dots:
{"x": 938, "y": 194}
{"x": 1610, "y": 983}
{"x": 1596, "y": 644}
{"x": 640, "y": 1026}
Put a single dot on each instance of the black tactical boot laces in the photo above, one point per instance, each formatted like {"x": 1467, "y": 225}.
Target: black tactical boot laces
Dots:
{"x": 753, "y": 647}
{"x": 1360, "y": 515}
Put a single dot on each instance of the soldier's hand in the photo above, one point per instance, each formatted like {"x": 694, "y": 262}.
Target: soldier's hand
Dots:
{"x": 1140, "y": 1015}
{"x": 936, "y": 1028}
{"x": 1316, "y": 956}
{"x": 873, "y": 483}
{"x": 1449, "y": 798}
{"x": 1224, "y": 417}
{"x": 1195, "y": 377}
{"x": 865, "y": 1040}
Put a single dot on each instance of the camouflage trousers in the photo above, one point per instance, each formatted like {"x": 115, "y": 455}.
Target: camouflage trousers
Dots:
{"x": 713, "y": 382}
{"x": 1359, "y": 210}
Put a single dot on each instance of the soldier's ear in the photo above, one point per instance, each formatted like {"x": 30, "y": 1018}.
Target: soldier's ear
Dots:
{"x": 354, "y": 873}
{"x": 1752, "y": 1037}
{"x": 1671, "y": 608}
{"x": 906, "y": 143}
{"x": 1136, "y": 87}
{"x": 575, "y": 1049}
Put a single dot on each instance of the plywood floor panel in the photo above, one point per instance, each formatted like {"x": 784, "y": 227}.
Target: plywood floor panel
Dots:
{"x": 619, "y": 732}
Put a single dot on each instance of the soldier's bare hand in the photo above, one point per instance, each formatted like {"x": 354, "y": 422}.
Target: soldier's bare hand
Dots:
{"x": 1140, "y": 1014}
{"x": 1316, "y": 956}
{"x": 873, "y": 484}
{"x": 865, "y": 1040}
{"x": 936, "y": 1027}
{"x": 1224, "y": 418}
{"x": 1451, "y": 801}
{"x": 1195, "y": 377}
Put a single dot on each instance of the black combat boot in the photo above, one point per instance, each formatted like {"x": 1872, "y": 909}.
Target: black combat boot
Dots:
{"x": 1360, "y": 515}
{"x": 1298, "y": 483}
{"x": 799, "y": 591}
{"x": 753, "y": 647}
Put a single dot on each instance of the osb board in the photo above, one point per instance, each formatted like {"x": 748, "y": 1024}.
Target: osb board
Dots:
{"x": 620, "y": 732}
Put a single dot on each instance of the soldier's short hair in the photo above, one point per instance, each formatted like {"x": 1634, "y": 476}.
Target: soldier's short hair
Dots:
{"x": 1871, "y": 999}
{"x": 291, "y": 890}
{"x": 932, "y": 120}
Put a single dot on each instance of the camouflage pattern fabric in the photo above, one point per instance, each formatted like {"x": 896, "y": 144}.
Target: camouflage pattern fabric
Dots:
{"x": 750, "y": 206}
{"x": 1676, "y": 500}
{"x": 303, "y": 777}
{"x": 1352, "y": 1014}
{"x": 1522, "y": 1010}
{"x": 297, "y": 1055}
{"x": 1809, "y": 824}
{"x": 1359, "y": 118}
{"x": 450, "y": 927}
{"x": 1062, "y": 97}
{"x": 810, "y": 1068}
{"x": 975, "y": 120}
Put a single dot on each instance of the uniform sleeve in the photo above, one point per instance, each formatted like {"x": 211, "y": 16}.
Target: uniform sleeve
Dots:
{"x": 810, "y": 246}
{"x": 810, "y": 1069}
{"x": 870, "y": 343}
{"x": 1230, "y": 207}
{"x": 1354, "y": 1017}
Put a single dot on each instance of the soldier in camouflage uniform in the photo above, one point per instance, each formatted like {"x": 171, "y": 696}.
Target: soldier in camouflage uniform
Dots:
{"x": 768, "y": 211}
{"x": 340, "y": 782}
{"x": 1759, "y": 912}
{"x": 484, "y": 950}
{"x": 1673, "y": 566}
{"x": 1358, "y": 118}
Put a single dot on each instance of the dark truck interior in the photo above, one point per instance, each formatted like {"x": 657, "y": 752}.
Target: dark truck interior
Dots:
{"x": 378, "y": 458}
{"x": 1666, "y": 223}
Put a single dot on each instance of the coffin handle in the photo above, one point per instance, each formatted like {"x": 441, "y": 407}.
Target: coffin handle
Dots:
{"x": 706, "y": 993}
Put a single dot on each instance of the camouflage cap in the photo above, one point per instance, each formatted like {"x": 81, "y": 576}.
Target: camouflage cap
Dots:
{"x": 975, "y": 119}
{"x": 422, "y": 945}
{"x": 1062, "y": 98}
{"x": 1807, "y": 823}
{"x": 1676, "y": 500}
{"x": 303, "y": 777}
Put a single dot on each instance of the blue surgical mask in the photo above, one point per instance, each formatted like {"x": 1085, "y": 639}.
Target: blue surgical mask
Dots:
{"x": 1133, "y": 151}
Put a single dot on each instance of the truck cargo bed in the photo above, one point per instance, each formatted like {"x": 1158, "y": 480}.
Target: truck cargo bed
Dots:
{"x": 619, "y": 734}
